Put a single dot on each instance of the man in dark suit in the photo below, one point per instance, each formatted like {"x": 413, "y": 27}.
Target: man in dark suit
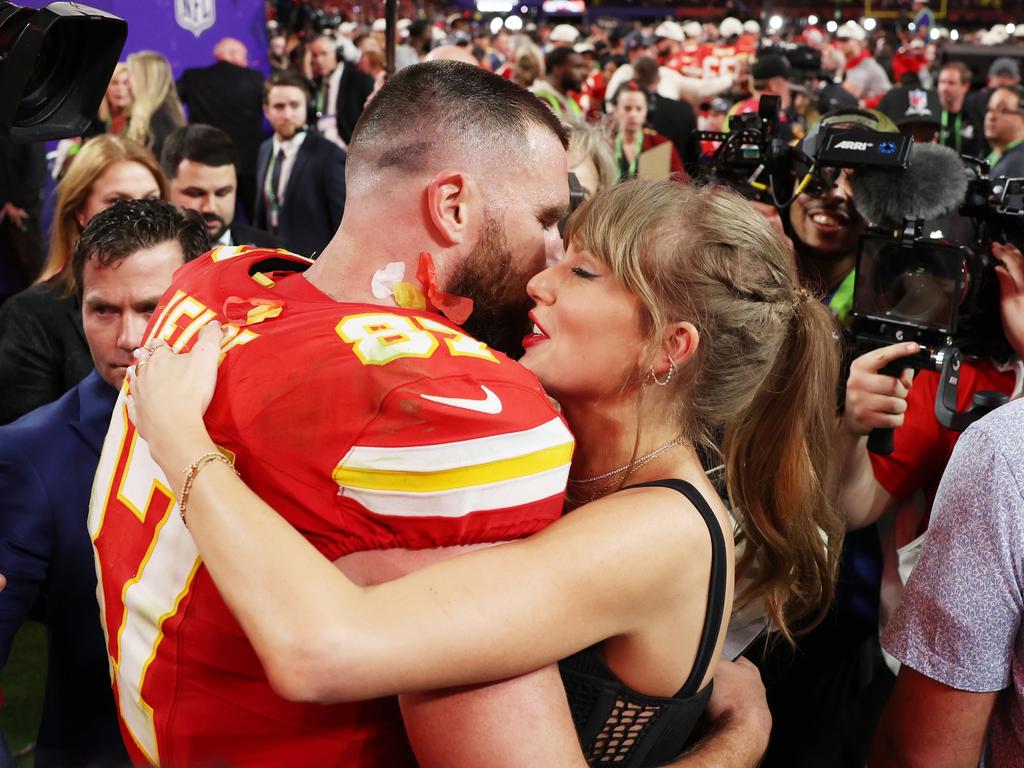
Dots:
{"x": 200, "y": 161}
{"x": 673, "y": 119}
{"x": 124, "y": 262}
{"x": 229, "y": 95}
{"x": 301, "y": 177}
{"x": 340, "y": 91}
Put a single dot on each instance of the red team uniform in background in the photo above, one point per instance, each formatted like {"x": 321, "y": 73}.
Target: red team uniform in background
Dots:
{"x": 367, "y": 428}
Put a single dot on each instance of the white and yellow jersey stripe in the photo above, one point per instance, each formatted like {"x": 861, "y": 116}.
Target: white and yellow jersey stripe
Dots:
{"x": 456, "y": 478}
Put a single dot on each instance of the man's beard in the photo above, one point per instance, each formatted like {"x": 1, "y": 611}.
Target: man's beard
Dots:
{"x": 221, "y": 226}
{"x": 500, "y": 303}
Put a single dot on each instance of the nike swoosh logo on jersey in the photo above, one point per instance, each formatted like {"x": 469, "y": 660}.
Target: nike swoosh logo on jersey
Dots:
{"x": 490, "y": 404}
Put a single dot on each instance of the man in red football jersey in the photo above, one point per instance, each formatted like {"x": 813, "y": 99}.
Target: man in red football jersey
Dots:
{"x": 351, "y": 400}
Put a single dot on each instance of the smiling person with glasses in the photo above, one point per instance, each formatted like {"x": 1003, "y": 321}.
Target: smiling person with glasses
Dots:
{"x": 1004, "y": 131}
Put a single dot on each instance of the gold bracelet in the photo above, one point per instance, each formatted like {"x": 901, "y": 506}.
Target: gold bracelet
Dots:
{"x": 190, "y": 475}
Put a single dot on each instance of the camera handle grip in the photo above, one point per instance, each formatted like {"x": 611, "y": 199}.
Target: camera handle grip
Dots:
{"x": 881, "y": 442}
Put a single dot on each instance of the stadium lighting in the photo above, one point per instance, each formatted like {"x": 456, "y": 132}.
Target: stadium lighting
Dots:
{"x": 494, "y": 6}
{"x": 1011, "y": 28}
{"x": 832, "y": 25}
{"x": 812, "y": 20}
{"x": 496, "y": 25}
{"x": 934, "y": 33}
{"x": 513, "y": 23}
{"x": 954, "y": 35}
{"x": 870, "y": 24}
{"x": 775, "y": 23}
{"x": 523, "y": 9}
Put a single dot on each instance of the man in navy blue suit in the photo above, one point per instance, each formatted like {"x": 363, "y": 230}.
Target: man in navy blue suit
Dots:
{"x": 124, "y": 262}
{"x": 300, "y": 174}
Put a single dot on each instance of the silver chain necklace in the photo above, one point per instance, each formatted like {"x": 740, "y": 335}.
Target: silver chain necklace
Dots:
{"x": 631, "y": 465}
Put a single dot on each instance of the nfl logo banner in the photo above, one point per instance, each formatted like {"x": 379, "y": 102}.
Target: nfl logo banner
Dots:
{"x": 196, "y": 16}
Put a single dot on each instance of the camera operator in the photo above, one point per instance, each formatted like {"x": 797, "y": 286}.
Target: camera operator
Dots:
{"x": 826, "y": 699}
{"x": 872, "y": 485}
{"x": 826, "y": 227}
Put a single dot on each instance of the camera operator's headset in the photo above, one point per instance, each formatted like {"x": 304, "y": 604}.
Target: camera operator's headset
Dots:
{"x": 818, "y": 181}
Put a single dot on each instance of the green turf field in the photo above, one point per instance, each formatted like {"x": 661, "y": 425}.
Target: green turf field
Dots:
{"x": 22, "y": 681}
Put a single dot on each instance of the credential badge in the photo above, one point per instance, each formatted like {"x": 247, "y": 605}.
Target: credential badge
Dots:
{"x": 196, "y": 16}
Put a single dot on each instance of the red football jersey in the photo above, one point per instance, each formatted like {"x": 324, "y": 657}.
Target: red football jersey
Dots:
{"x": 922, "y": 446}
{"x": 690, "y": 60}
{"x": 366, "y": 427}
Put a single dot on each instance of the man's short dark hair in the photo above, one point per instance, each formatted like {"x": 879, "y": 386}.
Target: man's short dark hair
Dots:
{"x": 428, "y": 107}
{"x": 645, "y": 72}
{"x": 417, "y": 29}
{"x": 966, "y": 76}
{"x": 285, "y": 77}
{"x": 559, "y": 57}
{"x": 200, "y": 144}
{"x": 129, "y": 226}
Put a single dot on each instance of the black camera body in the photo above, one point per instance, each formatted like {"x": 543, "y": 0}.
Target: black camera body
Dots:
{"x": 55, "y": 64}
{"x": 752, "y": 158}
{"x": 942, "y": 294}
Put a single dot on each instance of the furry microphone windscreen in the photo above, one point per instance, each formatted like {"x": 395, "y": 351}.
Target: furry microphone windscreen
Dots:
{"x": 933, "y": 184}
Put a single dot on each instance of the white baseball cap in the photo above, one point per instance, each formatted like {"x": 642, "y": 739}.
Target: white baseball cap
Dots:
{"x": 751, "y": 27}
{"x": 379, "y": 25}
{"x": 730, "y": 27}
{"x": 564, "y": 33}
{"x": 693, "y": 29}
{"x": 851, "y": 30}
{"x": 670, "y": 30}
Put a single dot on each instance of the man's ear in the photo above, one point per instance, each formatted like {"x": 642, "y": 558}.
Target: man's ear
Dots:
{"x": 450, "y": 199}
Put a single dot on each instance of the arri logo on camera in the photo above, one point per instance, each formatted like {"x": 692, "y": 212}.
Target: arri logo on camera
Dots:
{"x": 858, "y": 146}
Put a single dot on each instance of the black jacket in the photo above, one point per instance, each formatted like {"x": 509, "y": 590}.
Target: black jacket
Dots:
{"x": 43, "y": 352}
{"x": 230, "y": 98}
{"x": 314, "y": 197}
{"x": 354, "y": 89}
{"x": 676, "y": 121}
{"x": 243, "y": 234}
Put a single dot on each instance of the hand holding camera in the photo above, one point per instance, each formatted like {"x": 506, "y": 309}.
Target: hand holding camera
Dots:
{"x": 1010, "y": 273}
{"x": 876, "y": 400}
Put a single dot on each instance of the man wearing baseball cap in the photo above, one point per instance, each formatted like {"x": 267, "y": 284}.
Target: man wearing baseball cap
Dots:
{"x": 917, "y": 112}
{"x": 865, "y": 78}
{"x": 1002, "y": 71}
{"x": 769, "y": 76}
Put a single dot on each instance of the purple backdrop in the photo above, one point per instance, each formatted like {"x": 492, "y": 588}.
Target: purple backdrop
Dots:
{"x": 154, "y": 25}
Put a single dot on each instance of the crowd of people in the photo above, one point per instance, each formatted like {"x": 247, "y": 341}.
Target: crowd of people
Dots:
{"x": 446, "y": 417}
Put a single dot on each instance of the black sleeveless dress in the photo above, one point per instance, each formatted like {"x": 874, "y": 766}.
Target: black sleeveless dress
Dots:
{"x": 618, "y": 726}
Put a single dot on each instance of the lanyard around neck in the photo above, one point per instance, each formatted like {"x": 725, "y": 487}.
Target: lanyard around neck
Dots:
{"x": 620, "y": 154}
{"x": 944, "y": 133}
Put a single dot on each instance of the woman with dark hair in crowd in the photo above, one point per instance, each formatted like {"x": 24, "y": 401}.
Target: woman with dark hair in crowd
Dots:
{"x": 632, "y": 139}
{"x": 675, "y": 313}
{"x": 42, "y": 345}
{"x": 156, "y": 110}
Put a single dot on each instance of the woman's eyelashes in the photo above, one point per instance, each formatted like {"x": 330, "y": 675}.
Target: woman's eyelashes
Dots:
{"x": 584, "y": 273}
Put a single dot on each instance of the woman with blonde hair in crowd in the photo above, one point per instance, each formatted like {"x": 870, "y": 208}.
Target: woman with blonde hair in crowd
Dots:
{"x": 117, "y": 103}
{"x": 529, "y": 64}
{"x": 675, "y": 313}
{"x": 156, "y": 111}
{"x": 42, "y": 345}
{"x": 591, "y": 157}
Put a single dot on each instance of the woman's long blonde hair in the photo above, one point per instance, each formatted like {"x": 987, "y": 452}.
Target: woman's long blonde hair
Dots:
{"x": 87, "y": 165}
{"x": 104, "y": 111}
{"x": 765, "y": 373}
{"x": 153, "y": 89}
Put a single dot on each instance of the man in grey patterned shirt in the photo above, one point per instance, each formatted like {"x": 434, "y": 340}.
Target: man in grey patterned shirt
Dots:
{"x": 958, "y": 628}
